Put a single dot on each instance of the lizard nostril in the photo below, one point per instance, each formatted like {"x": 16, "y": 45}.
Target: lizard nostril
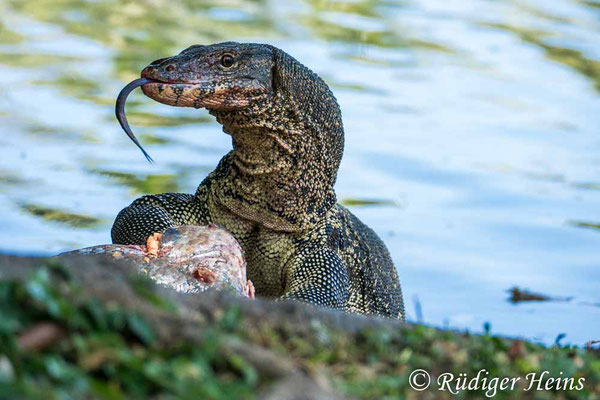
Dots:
{"x": 169, "y": 68}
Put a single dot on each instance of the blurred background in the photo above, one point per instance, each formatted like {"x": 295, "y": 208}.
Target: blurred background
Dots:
{"x": 472, "y": 136}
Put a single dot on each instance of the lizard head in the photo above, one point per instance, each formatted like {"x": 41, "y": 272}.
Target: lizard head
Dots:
{"x": 280, "y": 114}
{"x": 223, "y": 76}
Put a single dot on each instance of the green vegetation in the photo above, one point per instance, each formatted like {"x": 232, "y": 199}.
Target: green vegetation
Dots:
{"x": 104, "y": 351}
{"x": 63, "y": 335}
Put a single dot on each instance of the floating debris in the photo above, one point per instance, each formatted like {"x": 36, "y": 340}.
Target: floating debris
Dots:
{"x": 522, "y": 295}
{"x": 591, "y": 343}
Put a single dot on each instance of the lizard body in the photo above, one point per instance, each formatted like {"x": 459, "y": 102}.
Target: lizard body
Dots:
{"x": 274, "y": 190}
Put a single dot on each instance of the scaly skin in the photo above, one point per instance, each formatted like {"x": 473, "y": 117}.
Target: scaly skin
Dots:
{"x": 274, "y": 190}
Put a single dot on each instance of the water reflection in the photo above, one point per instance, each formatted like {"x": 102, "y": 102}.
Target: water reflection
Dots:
{"x": 570, "y": 57}
{"x": 144, "y": 31}
{"x": 146, "y": 184}
{"x": 472, "y": 134}
{"x": 583, "y": 224}
{"x": 353, "y": 202}
{"x": 54, "y": 215}
{"x": 149, "y": 119}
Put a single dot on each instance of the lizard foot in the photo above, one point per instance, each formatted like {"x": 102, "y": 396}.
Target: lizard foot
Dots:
{"x": 249, "y": 289}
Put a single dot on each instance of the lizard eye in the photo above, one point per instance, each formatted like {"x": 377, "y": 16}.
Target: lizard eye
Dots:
{"x": 227, "y": 61}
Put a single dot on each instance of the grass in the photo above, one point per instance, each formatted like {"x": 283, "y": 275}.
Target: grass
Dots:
{"x": 58, "y": 341}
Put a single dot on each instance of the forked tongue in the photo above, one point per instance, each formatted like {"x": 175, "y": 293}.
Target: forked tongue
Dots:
{"x": 120, "y": 112}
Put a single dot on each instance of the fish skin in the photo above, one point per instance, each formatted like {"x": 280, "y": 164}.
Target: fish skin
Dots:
{"x": 187, "y": 253}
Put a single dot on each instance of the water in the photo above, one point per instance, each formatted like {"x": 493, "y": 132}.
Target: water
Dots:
{"x": 472, "y": 141}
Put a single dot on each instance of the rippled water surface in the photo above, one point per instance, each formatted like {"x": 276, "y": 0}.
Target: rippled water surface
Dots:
{"x": 472, "y": 136}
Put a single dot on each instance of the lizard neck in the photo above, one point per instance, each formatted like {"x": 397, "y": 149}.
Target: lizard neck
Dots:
{"x": 279, "y": 173}
{"x": 286, "y": 151}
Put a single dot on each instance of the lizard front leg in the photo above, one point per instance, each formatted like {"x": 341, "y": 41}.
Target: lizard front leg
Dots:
{"x": 318, "y": 276}
{"x": 154, "y": 214}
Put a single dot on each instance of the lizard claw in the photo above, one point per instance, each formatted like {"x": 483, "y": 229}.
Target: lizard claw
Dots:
{"x": 249, "y": 289}
{"x": 153, "y": 244}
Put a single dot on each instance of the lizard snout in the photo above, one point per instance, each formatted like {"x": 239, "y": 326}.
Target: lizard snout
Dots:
{"x": 159, "y": 72}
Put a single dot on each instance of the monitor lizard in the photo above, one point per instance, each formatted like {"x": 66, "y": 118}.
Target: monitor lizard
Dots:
{"x": 275, "y": 190}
